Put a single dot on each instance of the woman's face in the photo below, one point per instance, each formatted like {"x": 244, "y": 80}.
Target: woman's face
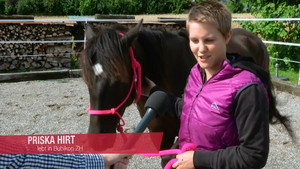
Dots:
{"x": 208, "y": 45}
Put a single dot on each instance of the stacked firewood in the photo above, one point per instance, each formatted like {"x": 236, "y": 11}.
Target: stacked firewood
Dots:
{"x": 33, "y": 55}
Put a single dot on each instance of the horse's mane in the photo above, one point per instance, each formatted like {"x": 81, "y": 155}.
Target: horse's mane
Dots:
{"x": 104, "y": 48}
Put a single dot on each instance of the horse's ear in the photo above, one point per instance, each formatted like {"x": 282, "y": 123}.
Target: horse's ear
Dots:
{"x": 89, "y": 31}
{"x": 132, "y": 33}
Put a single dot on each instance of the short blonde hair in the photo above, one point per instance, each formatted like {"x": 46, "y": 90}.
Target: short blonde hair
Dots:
{"x": 213, "y": 12}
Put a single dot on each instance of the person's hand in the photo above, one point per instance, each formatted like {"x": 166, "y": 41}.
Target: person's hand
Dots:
{"x": 120, "y": 161}
{"x": 185, "y": 160}
{"x": 147, "y": 87}
{"x": 122, "y": 164}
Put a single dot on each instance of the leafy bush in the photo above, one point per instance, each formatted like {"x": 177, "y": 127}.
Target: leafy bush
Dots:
{"x": 235, "y": 6}
{"x": 280, "y": 31}
{"x": 91, "y": 7}
{"x": 178, "y": 6}
{"x": 2, "y": 7}
{"x": 47, "y": 7}
{"x": 29, "y": 7}
{"x": 156, "y": 6}
{"x": 9, "y": 9}
{"x": 70, "y": 7}
{"x": 257, "y": 5}
{"x": 52, "y": 7}
{"x": 167, "y": 6}
{"x": 87, "y": 7}
{"x": 134, "y": 7}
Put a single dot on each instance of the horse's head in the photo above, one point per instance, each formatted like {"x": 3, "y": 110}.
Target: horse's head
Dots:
{"x": 107, "y": 68}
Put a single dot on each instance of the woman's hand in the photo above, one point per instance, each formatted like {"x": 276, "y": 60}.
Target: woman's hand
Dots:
{"x": 147, "y": 87}
{"x": 185, "y": 160}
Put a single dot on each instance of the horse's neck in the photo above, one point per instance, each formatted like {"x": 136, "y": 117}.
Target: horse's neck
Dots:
{"x": 151, "y": 49}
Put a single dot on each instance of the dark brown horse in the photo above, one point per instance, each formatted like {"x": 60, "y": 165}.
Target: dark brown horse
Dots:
{"x": 165, "y": 58}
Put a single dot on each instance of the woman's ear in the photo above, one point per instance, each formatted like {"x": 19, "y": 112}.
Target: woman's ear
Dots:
{"x": 228, "y": 37}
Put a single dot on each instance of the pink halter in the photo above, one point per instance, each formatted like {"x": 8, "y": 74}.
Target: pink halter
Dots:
{"x": 136, "y": 82}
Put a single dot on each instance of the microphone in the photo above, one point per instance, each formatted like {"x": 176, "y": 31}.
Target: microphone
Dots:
{"x": 157, "y": 103}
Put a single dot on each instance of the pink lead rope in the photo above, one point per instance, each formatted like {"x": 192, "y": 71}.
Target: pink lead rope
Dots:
{"x": 186, "y": 147}
{"x": 136, "y": 82}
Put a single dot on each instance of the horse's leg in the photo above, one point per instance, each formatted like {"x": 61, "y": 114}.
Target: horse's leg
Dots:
{"x": 166, "y": 124}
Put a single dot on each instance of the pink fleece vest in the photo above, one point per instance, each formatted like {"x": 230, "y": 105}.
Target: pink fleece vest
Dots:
{"x": 207, "y": 117}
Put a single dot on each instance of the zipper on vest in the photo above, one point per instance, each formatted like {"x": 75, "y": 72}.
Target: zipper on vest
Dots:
{"x": 189, "y": 113}
{"x": 199, "y": 91}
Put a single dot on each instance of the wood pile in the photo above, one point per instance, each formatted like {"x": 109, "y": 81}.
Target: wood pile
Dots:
{"x": 31, "y": 56}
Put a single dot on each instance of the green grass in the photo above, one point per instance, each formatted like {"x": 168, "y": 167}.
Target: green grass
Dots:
{"x": 292, "y": 75}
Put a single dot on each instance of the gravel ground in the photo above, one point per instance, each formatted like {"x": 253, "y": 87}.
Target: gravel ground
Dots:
{"x": 59, "y": 107}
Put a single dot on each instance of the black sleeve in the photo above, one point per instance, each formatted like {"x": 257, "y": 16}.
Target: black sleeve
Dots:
{"x": 251, "y": 113}
{"x": 176, "y": 103}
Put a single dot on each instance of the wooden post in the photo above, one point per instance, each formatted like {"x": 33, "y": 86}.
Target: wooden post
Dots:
{"x": 277, "y": 70}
